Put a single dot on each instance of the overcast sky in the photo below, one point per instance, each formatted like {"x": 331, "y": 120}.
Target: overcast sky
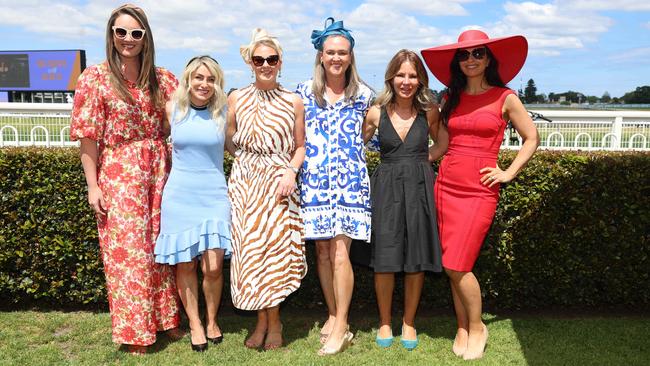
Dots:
{"x": 591, "y": 46}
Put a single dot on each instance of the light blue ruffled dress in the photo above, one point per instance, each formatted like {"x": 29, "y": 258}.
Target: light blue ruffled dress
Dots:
{"x": 195, "y": 210}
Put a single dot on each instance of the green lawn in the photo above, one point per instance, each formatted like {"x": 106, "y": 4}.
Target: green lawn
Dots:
{"x": 52, "y": 338}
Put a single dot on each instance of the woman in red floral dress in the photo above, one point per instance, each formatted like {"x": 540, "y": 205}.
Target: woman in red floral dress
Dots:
{"x": 117, "y": 115}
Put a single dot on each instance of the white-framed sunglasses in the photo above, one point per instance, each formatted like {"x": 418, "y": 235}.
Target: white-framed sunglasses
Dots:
{"x": 121, "y": 33}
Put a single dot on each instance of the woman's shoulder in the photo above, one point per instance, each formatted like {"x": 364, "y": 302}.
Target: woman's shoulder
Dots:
{"x": 365, "y": 92}
{"x": 96, "y": 71}
{"x": 304, "y": 88}
{"x": 165, "y": 75}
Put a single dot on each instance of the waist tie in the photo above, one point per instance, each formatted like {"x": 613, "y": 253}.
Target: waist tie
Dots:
{"x": 476, "y": 153}
{"x": 405, "y": 159}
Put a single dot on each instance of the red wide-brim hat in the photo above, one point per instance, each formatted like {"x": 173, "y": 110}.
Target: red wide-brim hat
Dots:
{"x": 510, "y": 52}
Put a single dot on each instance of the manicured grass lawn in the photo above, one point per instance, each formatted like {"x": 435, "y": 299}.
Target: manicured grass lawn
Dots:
{"x": 53, "y": 338}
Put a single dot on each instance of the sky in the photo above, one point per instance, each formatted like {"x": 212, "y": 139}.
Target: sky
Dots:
{"x": 589, "y": 46}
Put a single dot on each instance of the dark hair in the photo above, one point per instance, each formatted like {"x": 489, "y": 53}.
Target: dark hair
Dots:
{"x": 459, "y": 82}
{"x": 147, "y": 78}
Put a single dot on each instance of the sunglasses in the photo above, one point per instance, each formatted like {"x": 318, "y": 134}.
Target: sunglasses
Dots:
{"x": 199, "y": 57}
{"x": 121, "y": 33}
{"x": 271, "y": 60}
{"x": 477, "y": 54}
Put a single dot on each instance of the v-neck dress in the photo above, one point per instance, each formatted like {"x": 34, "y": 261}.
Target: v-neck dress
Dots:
{"x": 404, "y": 228}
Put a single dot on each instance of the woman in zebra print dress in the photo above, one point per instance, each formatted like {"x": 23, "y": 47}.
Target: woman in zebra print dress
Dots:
{"x": 266, "y": 134}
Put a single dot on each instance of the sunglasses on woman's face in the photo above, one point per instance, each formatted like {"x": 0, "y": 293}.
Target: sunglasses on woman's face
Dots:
{"x": 271, "y": 60}
{"x": 477, "y": 54}
{"x": 121, "y": 33}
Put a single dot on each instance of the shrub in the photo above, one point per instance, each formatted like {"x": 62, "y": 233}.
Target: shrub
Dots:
{"x": 571, "y": 230}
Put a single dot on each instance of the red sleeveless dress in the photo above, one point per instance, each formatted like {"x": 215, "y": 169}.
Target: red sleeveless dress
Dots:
{"x": 465, "y": 206}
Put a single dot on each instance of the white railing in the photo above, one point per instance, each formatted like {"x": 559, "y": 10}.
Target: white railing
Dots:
{"x": 29, "y": 124}
{"x": 33, "y": 124}
{"x": 589, "y": 130}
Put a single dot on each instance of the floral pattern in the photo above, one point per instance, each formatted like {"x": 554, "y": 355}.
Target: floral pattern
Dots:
{"x": 132, "y": 169}
{"x": 334, "y": 189}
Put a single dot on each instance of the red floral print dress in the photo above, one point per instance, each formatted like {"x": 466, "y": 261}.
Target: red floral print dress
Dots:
{"x": 132, "y": 169}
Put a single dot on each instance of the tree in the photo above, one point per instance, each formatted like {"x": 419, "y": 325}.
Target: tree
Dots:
{"x": 606, "y": 98}
{"x": 592, "y": 99}
{"x": 541, "y": 98}
{"x": 552, "y": 97}
{"x": 640, "y": 95}
{"x": 530, "y": 92}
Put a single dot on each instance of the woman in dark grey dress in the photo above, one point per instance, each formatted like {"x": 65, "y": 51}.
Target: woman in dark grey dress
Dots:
{"x": 404, "y": 231}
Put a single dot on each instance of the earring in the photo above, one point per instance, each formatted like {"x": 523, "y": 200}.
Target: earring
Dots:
{"x": 280, "y": 73}
{"x": 252, "y": 74}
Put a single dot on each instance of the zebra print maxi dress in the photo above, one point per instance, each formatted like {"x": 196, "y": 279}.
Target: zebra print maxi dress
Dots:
{"x": 268, "y": 259}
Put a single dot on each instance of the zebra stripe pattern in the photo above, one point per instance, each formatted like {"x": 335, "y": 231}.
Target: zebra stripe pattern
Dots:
{"x": 268, "y": 260}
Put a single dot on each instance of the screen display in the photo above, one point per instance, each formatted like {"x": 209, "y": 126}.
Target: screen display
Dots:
{"x": 41, "y": 70}
{"x": 14, "y": 71}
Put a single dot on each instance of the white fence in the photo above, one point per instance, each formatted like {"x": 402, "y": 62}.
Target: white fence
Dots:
{"x": 32, "y": 124}
{"x": 28, "y": 124}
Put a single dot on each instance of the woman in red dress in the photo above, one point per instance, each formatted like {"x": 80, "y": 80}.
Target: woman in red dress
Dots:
{"x": 117, "y": 115}
{"x": 474, "y": 115}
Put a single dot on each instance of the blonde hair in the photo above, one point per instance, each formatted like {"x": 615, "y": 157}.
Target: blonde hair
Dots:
{"x": 259, "y": 37}
{"x": 423, "y": 100}
{"x": 352, "y": 79}
{"x": 217, "y": 103}
{"x": 147, "y": 74}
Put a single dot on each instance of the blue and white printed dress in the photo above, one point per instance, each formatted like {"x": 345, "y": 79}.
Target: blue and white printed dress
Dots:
{"x": 334, "y": 184}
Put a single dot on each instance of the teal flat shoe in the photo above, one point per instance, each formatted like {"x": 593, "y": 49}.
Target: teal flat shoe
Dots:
{"x": 384, "y": 342}
{"x": 409, "y": 344}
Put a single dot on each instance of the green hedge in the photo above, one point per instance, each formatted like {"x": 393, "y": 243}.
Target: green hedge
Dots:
{"x": 571, "y": 230}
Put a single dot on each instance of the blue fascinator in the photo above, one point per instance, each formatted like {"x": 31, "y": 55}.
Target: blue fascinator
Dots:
{"x": 335, "y": 28}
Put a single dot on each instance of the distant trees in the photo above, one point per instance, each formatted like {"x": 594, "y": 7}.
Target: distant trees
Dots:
{"x": 606, "y": 98}
{"x": 530, "y": 92}
{"x": 641, "y": 95}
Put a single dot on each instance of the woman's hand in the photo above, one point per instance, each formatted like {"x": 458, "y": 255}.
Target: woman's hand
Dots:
{"x": 494, "y": 176}
{"x": 287, "y": 184}
{"x": 96, "y": 200}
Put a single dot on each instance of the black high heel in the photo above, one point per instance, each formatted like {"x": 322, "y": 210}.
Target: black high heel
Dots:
{"x": 199, "y": 347}
{"x": 216, "y": 340}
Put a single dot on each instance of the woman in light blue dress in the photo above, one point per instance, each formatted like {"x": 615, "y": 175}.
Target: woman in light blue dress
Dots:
{"x": 195, "y": 210}
{"x": 335, "y": 193}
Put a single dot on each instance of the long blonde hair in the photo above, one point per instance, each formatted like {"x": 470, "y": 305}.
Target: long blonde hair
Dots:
{"x": 217, "y": 103}
{"x": 147, "y": 78}
{"x": 259, "y": 37}
{"x": 423, "y": 100}
{"x": 352, "y": 79}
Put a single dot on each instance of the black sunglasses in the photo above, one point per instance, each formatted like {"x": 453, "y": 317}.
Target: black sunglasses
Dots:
{"x": 477, "y": 54}
{"x": 198, "y": 57}
{"x": 271, "y": 60}
{"x": 121, "y": 33}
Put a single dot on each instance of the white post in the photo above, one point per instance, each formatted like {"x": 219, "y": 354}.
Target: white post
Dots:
{"x": 617, "y": 130}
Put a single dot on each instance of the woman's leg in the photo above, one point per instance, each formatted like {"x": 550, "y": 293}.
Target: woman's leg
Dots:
{"x": 187, "y": 283}
{"x": 212, "y": 265}
{"x": 256, "y": 339}
{"x": 413, "y": 283}
{"x": 384, "y": 286}
{"x": 462, "y": 331}
{"x": 325, "y": 274}
{"x": 343, "y": 280}
{"x": 274, "y": 331}
{"x": 466, "y": 287}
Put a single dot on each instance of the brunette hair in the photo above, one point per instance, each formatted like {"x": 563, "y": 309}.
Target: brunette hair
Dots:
{"x": 147, "y": 74}
{"x": 459, "y": 82}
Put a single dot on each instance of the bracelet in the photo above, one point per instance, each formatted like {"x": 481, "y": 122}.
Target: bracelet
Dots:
{"x": 293, "y": 169}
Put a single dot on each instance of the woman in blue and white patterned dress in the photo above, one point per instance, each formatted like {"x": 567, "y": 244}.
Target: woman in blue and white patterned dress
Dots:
{"x": 335, "y": 193}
